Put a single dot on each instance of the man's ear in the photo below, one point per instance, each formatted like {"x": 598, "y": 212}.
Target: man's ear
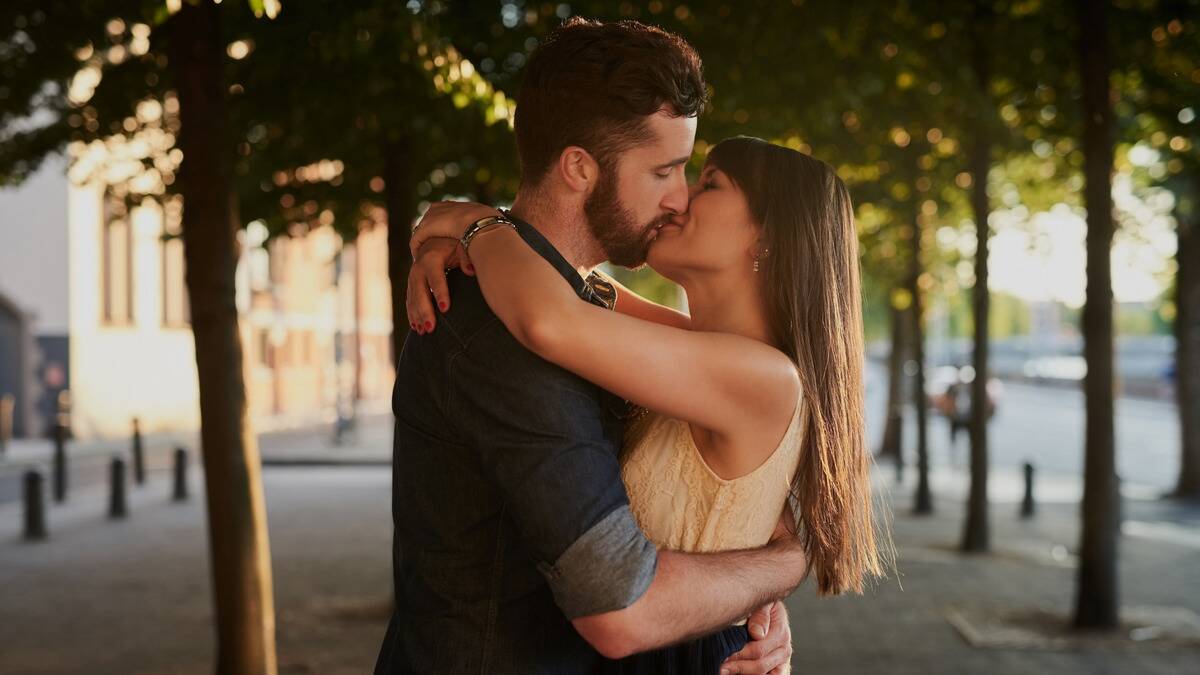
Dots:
{"x": 578, "y": 169}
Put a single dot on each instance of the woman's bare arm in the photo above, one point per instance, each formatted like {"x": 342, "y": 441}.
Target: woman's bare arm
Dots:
{"x": 720, "y": 382}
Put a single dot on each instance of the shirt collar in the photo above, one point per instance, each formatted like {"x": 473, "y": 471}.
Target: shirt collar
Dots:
{"x": 594, "y": 289}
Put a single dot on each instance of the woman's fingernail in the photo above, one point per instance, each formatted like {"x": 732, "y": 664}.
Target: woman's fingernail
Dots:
{"x": 757, "y": 631}
{"x": 442, "y": 305}
{"x": 726, "y": 671}
{"x": 428, "y": 326}
{"x": 470, "y": 269}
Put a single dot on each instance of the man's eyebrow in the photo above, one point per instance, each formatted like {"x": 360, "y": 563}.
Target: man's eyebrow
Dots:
{"x": 671, "y": 164}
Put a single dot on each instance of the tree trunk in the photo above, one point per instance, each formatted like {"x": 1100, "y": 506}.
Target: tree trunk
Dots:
{"x": 923, "y": 502}
{"x": 1187, "y": 356}
{"x": 1097, "y": 599}
{"x": 237, "y": 524}
{"x": 976, "y": 530}
{"x": 890, "y": 445}
{"x": 400, "y": 199}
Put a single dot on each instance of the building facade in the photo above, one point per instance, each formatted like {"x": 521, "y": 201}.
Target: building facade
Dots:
{"x": 93, "y": 303}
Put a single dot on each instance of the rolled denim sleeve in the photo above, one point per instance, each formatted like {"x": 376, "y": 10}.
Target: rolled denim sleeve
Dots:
{"x": 607, "y": 568}
{"x": 551, "y": 449}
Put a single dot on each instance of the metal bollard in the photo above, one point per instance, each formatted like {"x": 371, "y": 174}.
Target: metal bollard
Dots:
{"x": 139, "y": 459}
{"x": 1027, "y": 502}
{"x": 35, "y": 507}
{"x": 8, "y": 404}
{"x": 60, "y": 463}
{"x": 116, "y": 503}
{"x": 181, "y": 489}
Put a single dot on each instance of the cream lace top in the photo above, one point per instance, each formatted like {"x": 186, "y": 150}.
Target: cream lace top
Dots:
{"x": 682, "y": 505}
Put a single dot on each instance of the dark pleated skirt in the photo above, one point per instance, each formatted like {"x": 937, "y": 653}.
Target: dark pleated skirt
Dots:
{"x": 698, "y": 657}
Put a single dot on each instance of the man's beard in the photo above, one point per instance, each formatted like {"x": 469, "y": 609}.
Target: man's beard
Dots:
{"x": 614, "y": 227}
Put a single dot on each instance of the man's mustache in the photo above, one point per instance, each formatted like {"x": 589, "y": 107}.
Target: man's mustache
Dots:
{"x": 657, "y": 222}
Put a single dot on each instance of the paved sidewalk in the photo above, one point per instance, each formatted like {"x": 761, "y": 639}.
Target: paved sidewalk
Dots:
{"x": 369, "y": 442}
{"x": 133, "y": 597}
{"x": 901, "y": 625}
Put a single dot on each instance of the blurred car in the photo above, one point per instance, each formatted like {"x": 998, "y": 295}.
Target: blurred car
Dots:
{"x": 948, "y": 390}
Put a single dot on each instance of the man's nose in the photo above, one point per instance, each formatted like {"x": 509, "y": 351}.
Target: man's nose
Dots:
{"x": 676, "y": 200}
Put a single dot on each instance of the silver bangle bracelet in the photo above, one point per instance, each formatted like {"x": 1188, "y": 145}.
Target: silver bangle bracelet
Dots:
{"x": 483, "y": 225}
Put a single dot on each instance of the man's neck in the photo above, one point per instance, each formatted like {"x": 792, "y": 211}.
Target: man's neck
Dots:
{"x": 565, "y": 228}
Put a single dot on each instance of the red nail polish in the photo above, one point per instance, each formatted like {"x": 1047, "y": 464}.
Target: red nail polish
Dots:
{"x": 442, "y": 305}
{"x": 428, "y": 325}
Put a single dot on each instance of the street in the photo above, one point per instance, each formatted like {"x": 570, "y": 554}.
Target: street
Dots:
{"x": 1044, "y": 425}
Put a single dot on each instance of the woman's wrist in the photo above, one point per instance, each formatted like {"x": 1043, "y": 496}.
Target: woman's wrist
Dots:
{"x": 483, "y": 226}
{"x": 447, "y": 219}
{"x": 477, "y": 213}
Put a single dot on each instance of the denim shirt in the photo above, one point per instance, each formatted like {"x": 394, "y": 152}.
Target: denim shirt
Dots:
{"x": 509, "y": 511}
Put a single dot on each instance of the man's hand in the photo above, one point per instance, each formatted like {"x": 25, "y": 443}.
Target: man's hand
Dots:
{"x": 770, "y": 649}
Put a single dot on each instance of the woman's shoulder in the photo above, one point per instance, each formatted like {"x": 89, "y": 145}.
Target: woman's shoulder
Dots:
{"x": 772, "y": 381}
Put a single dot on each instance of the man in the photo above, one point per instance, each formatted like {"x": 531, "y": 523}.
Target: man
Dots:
{"x": 515, "y": 550}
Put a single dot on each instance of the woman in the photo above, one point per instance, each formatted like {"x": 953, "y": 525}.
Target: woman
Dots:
{"x": 754, "y": 397}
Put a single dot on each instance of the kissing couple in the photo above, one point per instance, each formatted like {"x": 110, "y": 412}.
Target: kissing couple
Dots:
{"x": 585, "y": 481}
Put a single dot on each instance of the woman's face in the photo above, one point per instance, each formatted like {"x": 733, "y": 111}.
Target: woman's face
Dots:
{"x": 716, "y": 234}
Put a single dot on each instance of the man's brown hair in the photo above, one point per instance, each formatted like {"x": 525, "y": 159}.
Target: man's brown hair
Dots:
{"x": 592, "y": 84}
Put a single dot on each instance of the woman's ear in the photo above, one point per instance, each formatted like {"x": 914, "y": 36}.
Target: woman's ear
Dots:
{"x": 579, "y": 170}
{"x": 761, "y": 247}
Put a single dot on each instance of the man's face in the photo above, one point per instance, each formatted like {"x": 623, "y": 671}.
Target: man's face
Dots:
{"x": 642, "y": 191}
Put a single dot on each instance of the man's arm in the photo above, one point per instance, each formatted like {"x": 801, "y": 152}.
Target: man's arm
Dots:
{"x": 542, "y": 439}
{"x": 696, "y": 594}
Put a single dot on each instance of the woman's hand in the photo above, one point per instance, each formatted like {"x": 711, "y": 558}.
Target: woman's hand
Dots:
{"x": 427, "y": 281}
{"x": 447, "y": 219}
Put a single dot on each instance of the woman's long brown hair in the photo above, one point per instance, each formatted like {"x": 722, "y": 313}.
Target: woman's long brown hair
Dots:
{"x": 815, "y": 314}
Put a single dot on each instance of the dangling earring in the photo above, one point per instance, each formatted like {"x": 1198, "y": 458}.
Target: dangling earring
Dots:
{"x": 759, "y": 256}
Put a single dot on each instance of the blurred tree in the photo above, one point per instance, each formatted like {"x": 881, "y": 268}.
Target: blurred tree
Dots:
{"x": 414, "y": 118}
{"x": 237, "y": 514}
{"x": 1096, "y": 593}
{"x": 976, "y": 531}
{"x": 990, "y": 38}
{"x": 1160, "y": 57}
{"x": 96, "y": 64}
